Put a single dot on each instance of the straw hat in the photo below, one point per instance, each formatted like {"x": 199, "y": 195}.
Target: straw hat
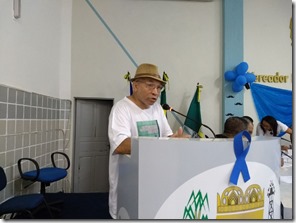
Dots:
{"x": 148, "y": 70}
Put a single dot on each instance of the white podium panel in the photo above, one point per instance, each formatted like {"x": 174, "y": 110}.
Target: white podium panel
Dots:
{"x": 173, "y": 178}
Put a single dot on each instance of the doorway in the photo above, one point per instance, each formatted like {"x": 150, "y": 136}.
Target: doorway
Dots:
{"x": 91, "y": 145}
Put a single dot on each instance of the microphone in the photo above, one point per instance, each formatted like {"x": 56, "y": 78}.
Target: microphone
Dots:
{"x": 169, "y": 108}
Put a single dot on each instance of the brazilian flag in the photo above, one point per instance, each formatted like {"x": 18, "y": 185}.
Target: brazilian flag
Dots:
{"x": 194, "y": 113}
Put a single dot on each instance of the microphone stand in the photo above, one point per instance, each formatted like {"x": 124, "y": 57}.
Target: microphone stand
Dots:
{"x": 209, "y": 129}
{"x": 183, "y": 126}
{"x": 194, "y": 121}
{"x": 283, "y": 153}
{"x": 286, "y": 140}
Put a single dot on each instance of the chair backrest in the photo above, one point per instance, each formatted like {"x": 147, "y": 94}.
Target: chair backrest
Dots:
{"x": 3, "y": 179}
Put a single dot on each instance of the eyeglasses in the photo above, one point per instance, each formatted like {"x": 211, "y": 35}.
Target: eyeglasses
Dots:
{"x": 152, "y": 86}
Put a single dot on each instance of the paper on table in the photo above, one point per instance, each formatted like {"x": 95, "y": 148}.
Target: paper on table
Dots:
{"x": 286, "y": 179}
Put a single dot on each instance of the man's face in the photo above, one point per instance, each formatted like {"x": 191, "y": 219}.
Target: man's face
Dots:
{"x": 147, "y": 90}
{"x": 250, "y": 128}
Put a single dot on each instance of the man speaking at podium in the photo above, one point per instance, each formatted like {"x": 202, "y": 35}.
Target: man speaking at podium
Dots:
{"x": 133, "y": 116}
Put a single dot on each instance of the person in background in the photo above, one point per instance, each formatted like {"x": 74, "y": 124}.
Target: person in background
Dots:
{"x": 250, "y": 126}
{"x": 232, "y": 126}
{"x": 269, "y": 126}
{"x": 134, "y": 116}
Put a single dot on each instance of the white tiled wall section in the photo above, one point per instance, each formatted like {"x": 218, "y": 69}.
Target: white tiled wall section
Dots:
{"x": 31, "y": 125}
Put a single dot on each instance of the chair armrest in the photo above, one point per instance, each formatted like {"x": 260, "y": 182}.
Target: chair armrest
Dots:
{"x": 60, "y": 153}
{"x": 19, "y": 165}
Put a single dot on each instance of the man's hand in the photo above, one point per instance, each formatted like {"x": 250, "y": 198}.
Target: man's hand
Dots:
{"x": 180, "y": 134}
{"x": 124, "y": 147}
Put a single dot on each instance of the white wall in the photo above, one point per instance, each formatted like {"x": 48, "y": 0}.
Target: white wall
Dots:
{"x": 182, "y": 37}
{"x": 35, "y": 49}
{"x": 267, "y": 43}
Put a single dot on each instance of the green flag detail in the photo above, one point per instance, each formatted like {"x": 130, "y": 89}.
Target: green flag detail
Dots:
{"x": 194, "y": 113}
{"x": 127, "y": 77}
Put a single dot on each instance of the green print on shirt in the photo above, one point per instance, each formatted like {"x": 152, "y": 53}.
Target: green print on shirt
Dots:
{"x": 148, "y": 128}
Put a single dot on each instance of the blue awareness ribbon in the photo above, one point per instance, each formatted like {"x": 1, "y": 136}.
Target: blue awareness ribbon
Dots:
{"x": 240, "y": 152}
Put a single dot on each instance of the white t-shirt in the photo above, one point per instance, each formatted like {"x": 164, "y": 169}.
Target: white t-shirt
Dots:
{"x": 281, "y": 128}
{"x": 128, "y": 120}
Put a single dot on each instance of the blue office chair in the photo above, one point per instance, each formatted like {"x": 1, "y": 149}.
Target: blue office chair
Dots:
{"x": 21, "y": 204}
{"x": 45, "y": 175}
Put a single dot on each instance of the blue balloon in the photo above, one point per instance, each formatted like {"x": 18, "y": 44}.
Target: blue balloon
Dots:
{"x": 242, "y": 68}
{"x": 241, "y": 80}
{"x": 250, "y": 77}
{"x": 240, "y": 77}
{"x": 230, "y": 75}
{"x": 236, "y": 87}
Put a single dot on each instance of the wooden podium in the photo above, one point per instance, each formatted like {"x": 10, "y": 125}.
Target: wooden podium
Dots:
{"x": 174, "y": 178}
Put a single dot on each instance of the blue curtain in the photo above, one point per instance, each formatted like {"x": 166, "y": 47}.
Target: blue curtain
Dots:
{"x": 273, "y": 101}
